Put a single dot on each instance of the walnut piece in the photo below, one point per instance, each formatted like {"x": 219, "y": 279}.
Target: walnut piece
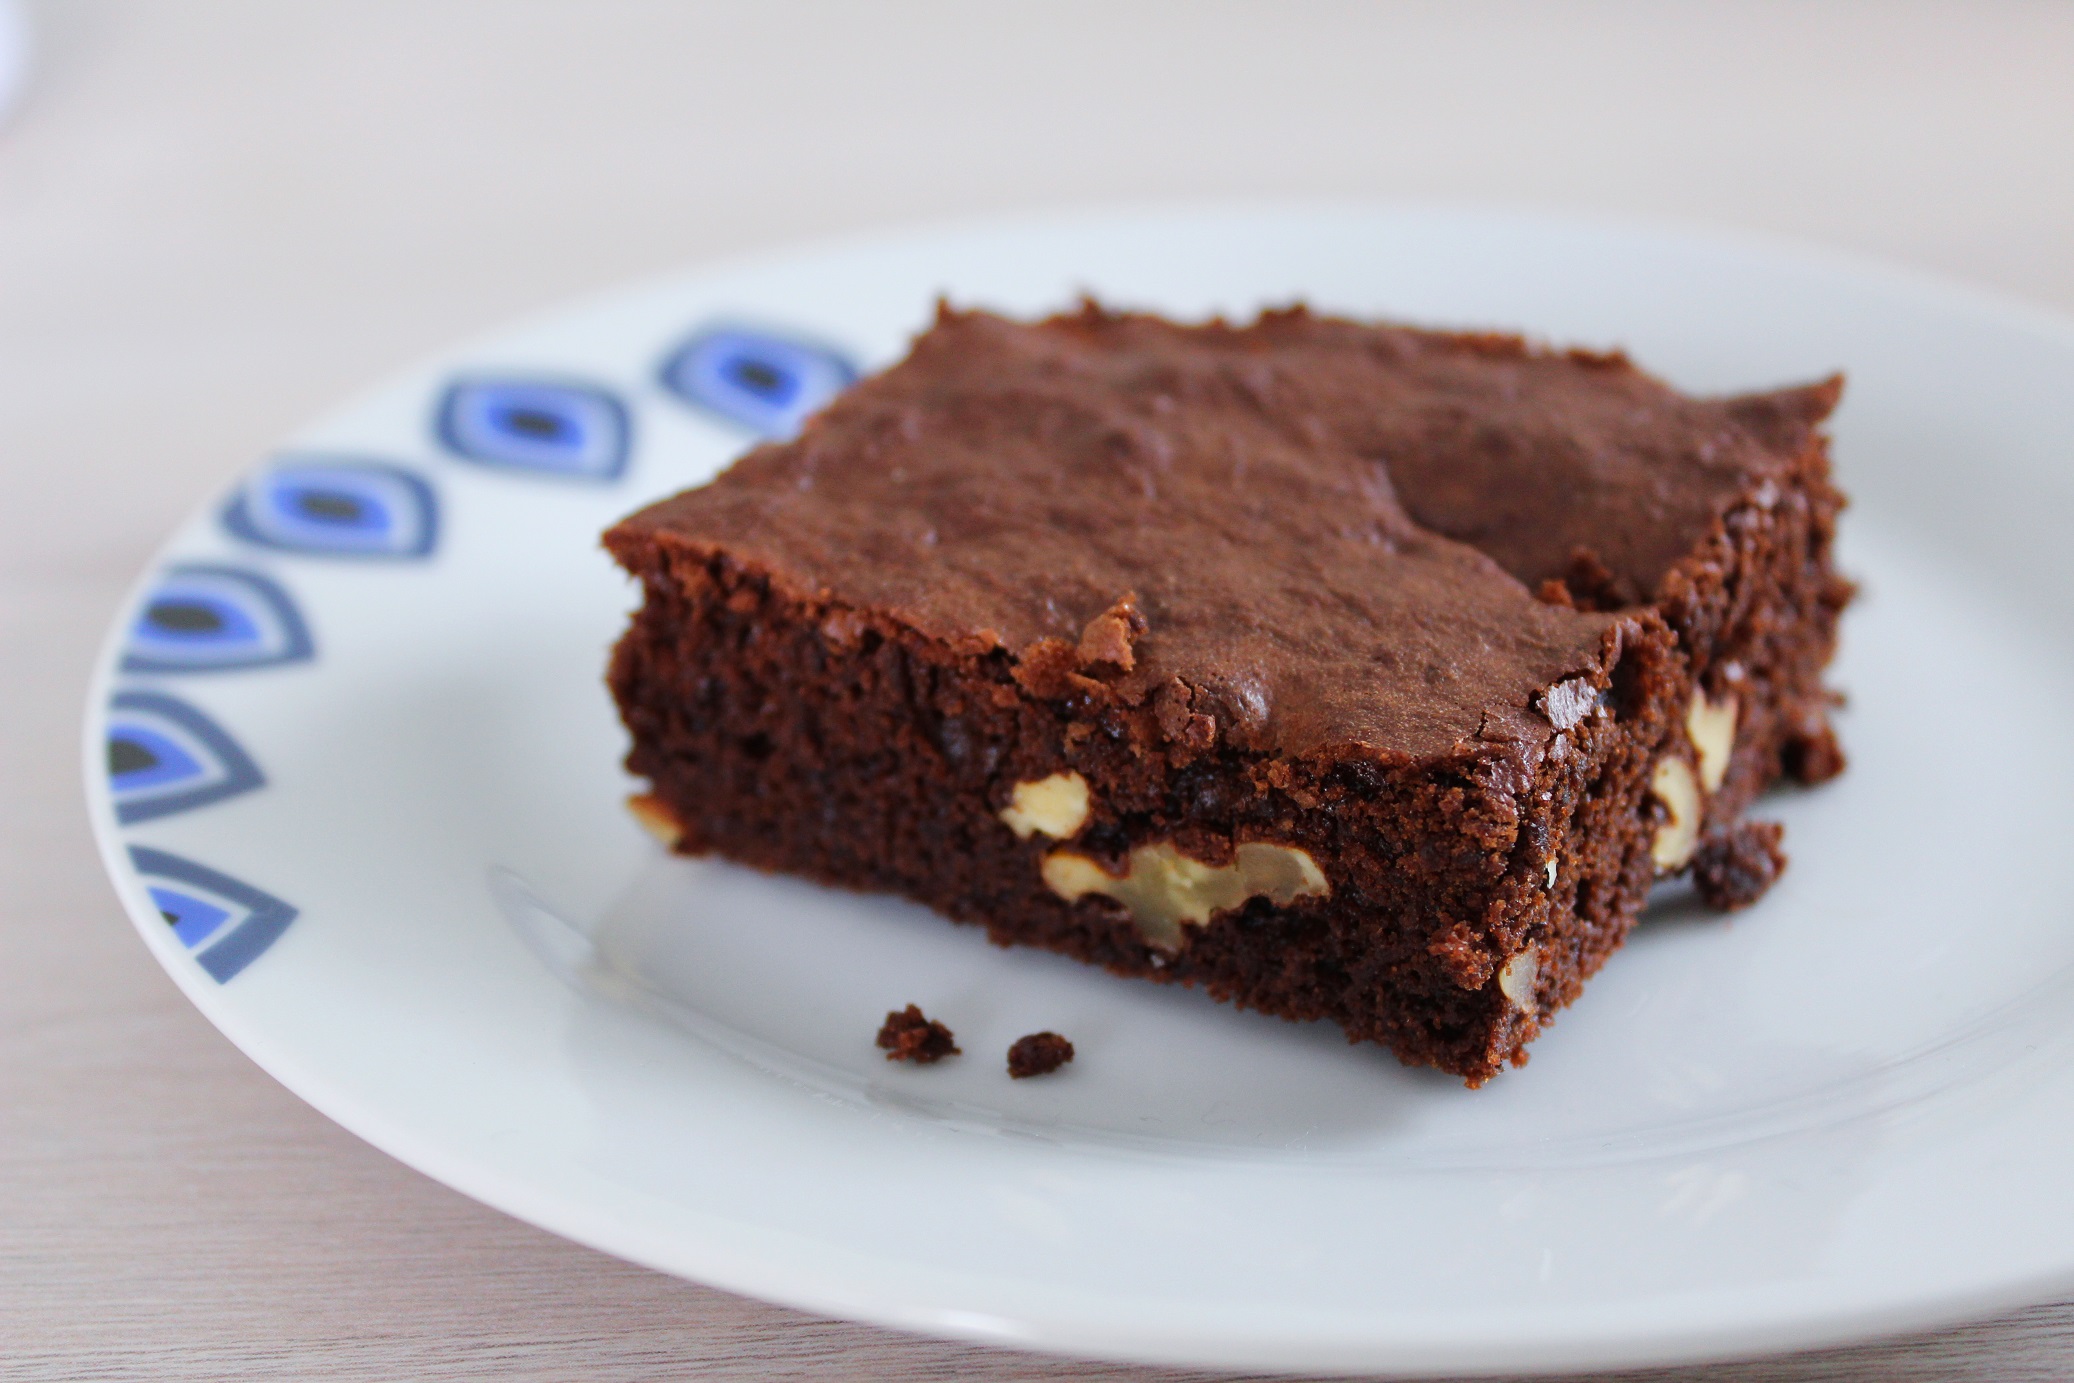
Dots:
{"x": 1057, "y": 806}
{"x": 1165, "y": 888}
{"x": 655, "y": 819}
{"x": 1516, "y": 979}
{"x": 1711, "y": 726}
{"x": 1673, "y": 785}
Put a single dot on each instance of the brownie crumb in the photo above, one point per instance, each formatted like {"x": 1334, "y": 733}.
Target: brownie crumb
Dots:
{"x": 1592, "y": 586}
{"x": 1039, "y": 1054}
{"x": 908, "y": 1036}
{"x": 1813, "y": 757}
{"x": 1733, "y": 868}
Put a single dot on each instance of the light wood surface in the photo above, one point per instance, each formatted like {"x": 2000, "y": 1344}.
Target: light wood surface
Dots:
{"x": 217, "y": 218}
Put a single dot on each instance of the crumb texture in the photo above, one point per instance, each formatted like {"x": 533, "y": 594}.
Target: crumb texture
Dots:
{"x": 1735, "y": 867}
{"x": 1038, "y": 1054}
{"x": 908, "y": 1036}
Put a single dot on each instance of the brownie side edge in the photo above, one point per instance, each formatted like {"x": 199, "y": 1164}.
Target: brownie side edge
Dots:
{"x": 786, "y": 731}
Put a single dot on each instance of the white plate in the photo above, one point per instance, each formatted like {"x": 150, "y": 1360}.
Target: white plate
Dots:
{"x": 1841, "y": 1113}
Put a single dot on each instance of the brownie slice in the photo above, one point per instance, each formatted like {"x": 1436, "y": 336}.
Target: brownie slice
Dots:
{"x": 1161, "y": 646}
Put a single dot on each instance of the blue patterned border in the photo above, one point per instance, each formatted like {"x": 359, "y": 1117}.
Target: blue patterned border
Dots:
{"x": 337, "y": 507}
{"x": 543, "y": 427}
{"x": 205, "y": 618}
{"x": 197, "y": 911}
{"x": 762, "y": 380}
{"x": 166, "y": 756}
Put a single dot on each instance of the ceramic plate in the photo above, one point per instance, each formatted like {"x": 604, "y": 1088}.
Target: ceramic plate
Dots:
{"x": 356, "y": 777}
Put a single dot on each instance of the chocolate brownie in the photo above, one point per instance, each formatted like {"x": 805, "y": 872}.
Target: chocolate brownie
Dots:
{"x": 1038, "y": 1054}
{"x": 908, "y": 1035}
{"x": 1343, "y": 671}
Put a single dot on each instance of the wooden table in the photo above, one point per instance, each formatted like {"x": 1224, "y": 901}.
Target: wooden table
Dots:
{"x": 217, "y": 218}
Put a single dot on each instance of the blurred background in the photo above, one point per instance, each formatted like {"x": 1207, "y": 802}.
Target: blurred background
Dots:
{"x": 217, "y": 218}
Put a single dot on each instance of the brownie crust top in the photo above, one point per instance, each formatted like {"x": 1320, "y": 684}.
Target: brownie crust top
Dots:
{"x": 1287, "y": 529}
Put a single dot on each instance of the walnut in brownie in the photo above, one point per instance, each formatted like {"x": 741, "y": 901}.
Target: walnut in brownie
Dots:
{"x": 909, "y": 1036}
{"x": 1130, "y": 640}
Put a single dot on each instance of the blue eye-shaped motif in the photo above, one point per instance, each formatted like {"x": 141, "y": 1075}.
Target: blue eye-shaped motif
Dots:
{"x": 570, "y": 430}
{"x": 766, "y": 383}
{"x": 228, "y": 923}
{"x": 164, "y": 756}
{"x": 337, "y": 508}
{"x": 213, "y": 619}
